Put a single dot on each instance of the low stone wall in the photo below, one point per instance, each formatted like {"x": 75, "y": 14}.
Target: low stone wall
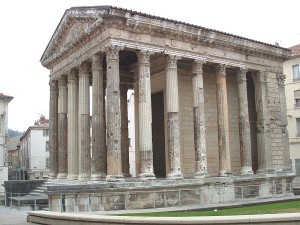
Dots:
{"x": 42, "y": 217}
{"x": 105, "y": 196}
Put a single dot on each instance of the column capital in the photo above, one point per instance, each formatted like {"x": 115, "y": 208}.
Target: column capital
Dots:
{"x": 53, "y": 85}
{"x": 260, "y": 76}
{"x": 172, "y": 61}
{"x": 221, "y": 69}
{"x": 62, "y": 81}
{"x": 112, "y": 51}
{"x": 197, "y": 66}
{"x": 241, "y": 75}
{"x": 144, "y": 56}
{"x": 97, "y": 61}
{"x": 84, "y": 69}
{"x": 73, "y": 75}
{"x": 281, "y": 78}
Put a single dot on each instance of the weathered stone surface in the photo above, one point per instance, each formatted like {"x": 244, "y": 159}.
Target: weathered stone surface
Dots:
{"x": 99, "y": 154}
{"x": 53, "y": 127}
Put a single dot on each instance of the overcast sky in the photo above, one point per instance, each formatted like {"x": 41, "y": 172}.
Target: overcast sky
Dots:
{"x": 27, "y": 26}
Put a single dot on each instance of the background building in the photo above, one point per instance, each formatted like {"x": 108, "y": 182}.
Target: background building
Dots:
{"x": 34, "y": 151}
{"x": 13, "y": 157}
{"x": 4, "y": 100}
{"x": 291, "y": 69}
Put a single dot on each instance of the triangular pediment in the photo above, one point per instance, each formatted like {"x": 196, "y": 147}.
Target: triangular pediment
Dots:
{"x": 74, "y": 31}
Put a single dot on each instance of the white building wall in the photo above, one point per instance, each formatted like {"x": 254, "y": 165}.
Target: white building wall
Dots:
{"x": 293, "y": 112}
{"x": 38, "y": 151}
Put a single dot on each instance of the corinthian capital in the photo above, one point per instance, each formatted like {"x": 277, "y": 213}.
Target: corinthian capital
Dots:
{"x": 197, "y": 66}
{"x": 144, "y": 56}
{"x": 241, "y": 77}
{"x": 281, "y": 78}
{"x": 97, "y": 61}
{"x": 53, "y": 85}
{"x": 221, "y": 69}
{"x": 84, "y": 69}
{"x": 112, "y": 52}
{"x": 73, "y": 75}
{"x": 62, "y": 81}
{"x": 172, "y": 61}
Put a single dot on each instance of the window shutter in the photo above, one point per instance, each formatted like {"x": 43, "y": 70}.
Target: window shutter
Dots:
{"x": 297, "y": 94}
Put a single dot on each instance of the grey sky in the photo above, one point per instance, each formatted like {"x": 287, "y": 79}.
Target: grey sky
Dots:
{"x": 27, "y": 26}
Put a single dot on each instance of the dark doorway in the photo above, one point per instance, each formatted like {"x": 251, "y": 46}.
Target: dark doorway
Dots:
{"x": 158, "y": 134}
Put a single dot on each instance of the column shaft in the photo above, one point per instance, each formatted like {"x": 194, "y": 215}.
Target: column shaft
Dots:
{"x": 99, "y": 160}
{"x": 53, "y": 129}
{"x": 286, "y": 167}
{"x": 263, "y": 124}
{"x": 244, "y": 124}
{"x": 199, "y": 120}
{"x": 145, "y": 117}
{"x": 62, "y": 128}
{"x": 73, "y": 158}
{"x": 114, "y": 160}
{"x": 84, "y": 123}
{"x": 173, "y": 118}
{"x": 223, "y": 123}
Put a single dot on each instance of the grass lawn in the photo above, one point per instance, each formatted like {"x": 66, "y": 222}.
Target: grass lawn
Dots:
{"x": 283, "y": 207}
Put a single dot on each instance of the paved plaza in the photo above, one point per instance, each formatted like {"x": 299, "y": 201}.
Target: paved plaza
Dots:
{"x": 12, "y": 216}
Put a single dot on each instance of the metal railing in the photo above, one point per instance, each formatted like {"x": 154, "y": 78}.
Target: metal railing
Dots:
{"x": 105, "y": 201}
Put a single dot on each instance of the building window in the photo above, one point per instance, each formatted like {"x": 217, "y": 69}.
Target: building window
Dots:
{"x": 298, "y": 127}
{"x": 296, "y": 72}
{"x": 297, "y": 98}
{"x": 47, "y": 163}
{"x": 297, "y": 167}
{"x": 45, "y": 133}
{"x": 47, "y": 146}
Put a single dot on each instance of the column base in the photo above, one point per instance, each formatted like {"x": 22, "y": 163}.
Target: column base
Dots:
{"x": 201, "y": 175}
{"x": 52, "y": 176}
{"x": 84, "y": 176}
{"x": 175, "y": 176}
{"x": 127, "y": 175}
{"x": 225, "y": 174}
{"x": 62, "y": 176}
{"x": 114, "y": 178}
{"x": 246, "y": 171}
{"x": 146, "y": 176}
{"x": 72, "y": 177}
{"x": 265, "y": 171}
{"x": 98, "y": 177}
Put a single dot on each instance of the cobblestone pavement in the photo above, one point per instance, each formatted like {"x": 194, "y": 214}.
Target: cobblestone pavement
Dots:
{"x": 10, "y": 216}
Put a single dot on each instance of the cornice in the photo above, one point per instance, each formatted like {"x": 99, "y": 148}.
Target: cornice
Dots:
{"x": 103, "y": 17}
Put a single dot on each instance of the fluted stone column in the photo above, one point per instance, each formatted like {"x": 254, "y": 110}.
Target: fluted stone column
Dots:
{"x": 84, "y": 123}
{"x": 263, "y": 124}
{"x": 53, "y": 129}
{"x": 286, "y": 167}
{"x": 223, "y": 123}
{"x": 173, "y": 131}
{"x": 124, "y": 130}
{"x": 62, "y": 128}
{"x": 244, "y": 124}
{"x": 145, "y": 117}
{"x": 199, "y": 120}
{"x": 99, "y": 160}
{"x": 73, "y": 159}
{"x": 113, "y": 113}
{"x": 136, "y": 122}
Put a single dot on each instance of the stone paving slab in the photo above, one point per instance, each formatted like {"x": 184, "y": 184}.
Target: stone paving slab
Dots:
{"x": 10, "y": 216}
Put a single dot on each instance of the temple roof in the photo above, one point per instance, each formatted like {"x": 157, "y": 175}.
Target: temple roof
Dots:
{"x": 5, "y": 97}
{"x": 93, "y": 17}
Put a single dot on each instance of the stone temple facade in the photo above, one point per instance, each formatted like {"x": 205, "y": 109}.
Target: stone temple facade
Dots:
{"x": 207, "y": 103}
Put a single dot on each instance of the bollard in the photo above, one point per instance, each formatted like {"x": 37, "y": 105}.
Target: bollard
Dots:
{"x": 11, "y": 200}
{"x": 5, "y": 203}
{"x": 18, "y": 201}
